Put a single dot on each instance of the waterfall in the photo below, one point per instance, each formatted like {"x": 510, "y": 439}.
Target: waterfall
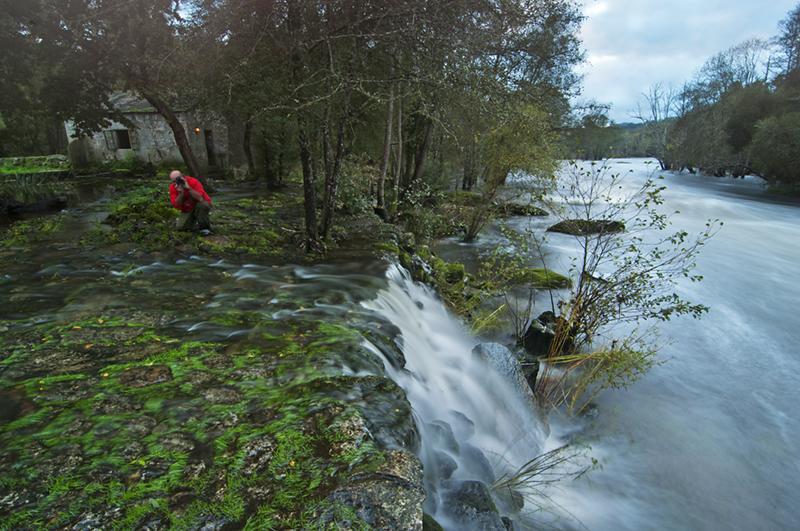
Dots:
{"x": 474, "y": 424}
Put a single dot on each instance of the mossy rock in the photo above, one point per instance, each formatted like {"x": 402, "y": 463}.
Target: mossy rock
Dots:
{"x": 586, "y": 227}
{"x": 541, "y": 278}
{"x": 518, "y": 209}
{"x": 454, "y": 272}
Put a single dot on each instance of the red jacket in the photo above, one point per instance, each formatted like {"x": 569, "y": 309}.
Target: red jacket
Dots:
{"x": 188, "y": 201}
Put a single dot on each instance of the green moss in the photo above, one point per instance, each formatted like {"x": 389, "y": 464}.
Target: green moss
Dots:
{"x": 454, "y": 272}
{"x": 541, "y": 278}
{"x": 31, "y": 231}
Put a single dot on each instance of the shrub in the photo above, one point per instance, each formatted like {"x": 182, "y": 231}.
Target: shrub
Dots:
{"x": 775, "y": 148}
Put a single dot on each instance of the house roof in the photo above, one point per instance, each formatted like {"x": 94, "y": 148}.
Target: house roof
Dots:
{"x": 127, "y": 102}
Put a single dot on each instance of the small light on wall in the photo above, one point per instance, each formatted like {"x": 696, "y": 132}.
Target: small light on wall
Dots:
{"x": 197, "y": 130}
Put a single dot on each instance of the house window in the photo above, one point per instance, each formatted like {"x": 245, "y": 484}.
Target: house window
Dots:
{"x": 122, "y": 139}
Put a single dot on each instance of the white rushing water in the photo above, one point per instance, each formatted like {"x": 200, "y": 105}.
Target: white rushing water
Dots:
{"x": 450, "y": 388}
{"x": 708, "y": 439}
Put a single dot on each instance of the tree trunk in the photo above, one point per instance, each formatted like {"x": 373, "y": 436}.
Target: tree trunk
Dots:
{"x": 178, "y": 132}
{"x": 309, "y": 193}
{"x": 387, "y": 146}
{"x": 270, "y": 171}
{"x": 422, "y": 150}
{"x": 399, "y": 158}
{"x": 469, "y": 167}
{"x": 312, "y": 242}
{"x": 333, "y": 167}
{"x": 248, "y": 148}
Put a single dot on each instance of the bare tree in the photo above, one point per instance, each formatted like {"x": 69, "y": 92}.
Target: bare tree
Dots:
{"x": 789, "y": 40}
{"x": 657, "y": 114}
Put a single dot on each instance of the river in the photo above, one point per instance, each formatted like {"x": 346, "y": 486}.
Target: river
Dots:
{"x": 708, "y": 439}
{"x": 705, "y": 440}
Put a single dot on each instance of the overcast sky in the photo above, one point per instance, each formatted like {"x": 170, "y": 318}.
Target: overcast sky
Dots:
{"x": 632, "y": 44}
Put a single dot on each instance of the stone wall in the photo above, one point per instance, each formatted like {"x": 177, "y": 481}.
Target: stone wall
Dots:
{"x": 151, "y": 140}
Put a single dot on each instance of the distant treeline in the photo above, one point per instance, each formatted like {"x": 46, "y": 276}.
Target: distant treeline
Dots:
{"x": 739, "y": 115}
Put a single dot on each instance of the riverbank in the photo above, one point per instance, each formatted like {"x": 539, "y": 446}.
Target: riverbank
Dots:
{"x": 143, "y": 385}
{"x": 164, "y": 379}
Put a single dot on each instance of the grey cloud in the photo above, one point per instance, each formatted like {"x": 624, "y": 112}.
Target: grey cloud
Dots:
{"x": 632, "y": 44}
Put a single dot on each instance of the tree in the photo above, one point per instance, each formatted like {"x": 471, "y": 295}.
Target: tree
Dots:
{"x": 657, "y": 114}
{"x": 523, "y": 143}
{"x": 621, "y": 278}
{"x": 95, "y": 48}
{"x": 776, "y": 149}
{"x": 788, "y": 40}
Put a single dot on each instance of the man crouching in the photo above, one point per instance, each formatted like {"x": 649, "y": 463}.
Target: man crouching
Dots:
{"x": 188, "y": 196}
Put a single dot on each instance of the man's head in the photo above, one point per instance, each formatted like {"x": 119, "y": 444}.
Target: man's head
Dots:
{"x": 174, "y": 174}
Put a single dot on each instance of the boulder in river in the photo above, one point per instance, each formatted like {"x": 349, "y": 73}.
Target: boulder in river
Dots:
{"x": 585, "y": 227}
{"x": 540, "y": 334}
{"x": 470, "y": 504}
{"x": 390, "y": 498}
{"x": 506, "y": 363}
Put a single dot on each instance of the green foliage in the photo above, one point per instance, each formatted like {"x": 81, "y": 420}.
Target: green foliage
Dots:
{"x": 776, "y": 145}
{"x": 522, "y": 142}
{"x": 354, "y": 195}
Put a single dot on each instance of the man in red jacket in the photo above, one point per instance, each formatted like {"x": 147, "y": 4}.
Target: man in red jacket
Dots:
{"x": 188, "y": 196}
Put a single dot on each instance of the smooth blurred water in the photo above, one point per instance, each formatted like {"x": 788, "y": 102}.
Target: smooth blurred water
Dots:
{"x": 467, "y": 413}
{"x": 708, "y": 439}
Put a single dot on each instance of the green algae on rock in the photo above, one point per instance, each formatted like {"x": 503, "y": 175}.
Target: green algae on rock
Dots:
{"x": 150, "y": 442}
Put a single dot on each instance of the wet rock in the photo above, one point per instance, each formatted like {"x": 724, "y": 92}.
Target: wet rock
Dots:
{"x": 211, "y": 523}
{"x": 506, "y": 363}
{"x": 178, "y": 443}
{"x": 540, "y": 335}
{"x": 218, "y": 361}
{"x": 443, "y": 464}
{"x": 132, "y": 450}
{"x": 382, "y": 403}
{"x": 351, "y": 431}
{"x": 585, "y": 227}
{"x": 518, "y": 209}
{"x": 94, "y": 520}
{"x": 475, "y": 465}
{"x": 508, "y": 523}
{"x": 403, "y": 465}
{"x": 258, "y": 454}
{"x": 154, "y": 469}
{"x": 144, "y": 376}
{"x": 154, "y": 522}
{"x": 10, "y": 501}
{"x": 382, "y": 501}
{"x": 180, "y": 500}
{"x": 222, "y": 395}
{"x": 440, "y": 435}
{"x": 530, "y": 367}
{"x": 470, "y": 504}
{"x": 199, "y": 377}
{"x": 142, "y": 426}
{"x": 13, "y": 405}
{"x": 462, "y": 426}
{"x": 115, "y": 404}
{"x": 429, "y": 523}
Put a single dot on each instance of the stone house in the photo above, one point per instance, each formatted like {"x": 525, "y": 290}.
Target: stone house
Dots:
{"x": 149, "y": 138}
